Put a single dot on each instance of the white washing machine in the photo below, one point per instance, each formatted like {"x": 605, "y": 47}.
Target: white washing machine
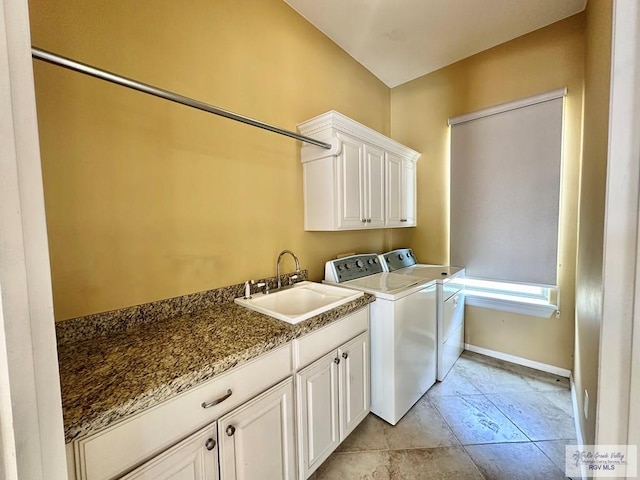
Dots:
{"x": 403, "y": 331}
{"x": 449, "y": 302}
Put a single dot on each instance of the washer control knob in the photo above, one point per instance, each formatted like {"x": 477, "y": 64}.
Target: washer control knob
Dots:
{"x": 347, "y": 266}
{"x": 359, "y": 264}
{"x": 375, "y": 260}
{"x": 340, "y": 267}
{"x": 399, "y": 256}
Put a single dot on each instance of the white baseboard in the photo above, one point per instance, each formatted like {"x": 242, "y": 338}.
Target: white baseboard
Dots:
{"x": 576, "y": 414}
{"x": 525, "y": 362}
{"x": 578, "y": 425}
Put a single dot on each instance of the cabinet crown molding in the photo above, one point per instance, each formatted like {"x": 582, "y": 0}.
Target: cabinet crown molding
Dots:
{"x": 326, "y": 127}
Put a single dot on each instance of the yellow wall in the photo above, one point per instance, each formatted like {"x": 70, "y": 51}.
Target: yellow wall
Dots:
{"x": 544, "y": 60}
{"x": 592, "y": 206}
{"x": 146, "y": 199}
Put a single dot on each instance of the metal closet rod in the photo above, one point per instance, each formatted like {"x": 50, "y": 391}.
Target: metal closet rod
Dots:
{"x": 65, "y": 62}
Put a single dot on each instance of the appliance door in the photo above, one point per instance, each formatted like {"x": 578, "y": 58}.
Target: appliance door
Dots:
{"x": 451, "y": 333}
{"x": 403, "y": 352}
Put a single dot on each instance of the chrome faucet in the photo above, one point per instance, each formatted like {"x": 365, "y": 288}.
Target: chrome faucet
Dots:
{"x": 278, "y": 265}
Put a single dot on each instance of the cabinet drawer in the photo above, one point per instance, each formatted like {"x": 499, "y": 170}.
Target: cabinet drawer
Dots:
{"x": 119, "y": 448}
{"x": 314, "y": 345}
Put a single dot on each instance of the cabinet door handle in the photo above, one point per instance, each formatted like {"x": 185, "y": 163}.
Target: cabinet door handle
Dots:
{"x": 368, "y": 220}
{"x": 364, "y": 220}
{"x": 403, "y": 219}
{"x": 230, "y": 430}
{"x": 336, "y": 360}
{"x": 210, "y": 444}
{"x": 345, "y": 355}
{"x": 217, "y": 400}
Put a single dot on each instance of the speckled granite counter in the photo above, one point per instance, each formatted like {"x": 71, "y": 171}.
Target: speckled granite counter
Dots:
{"x": 108, "y": 377}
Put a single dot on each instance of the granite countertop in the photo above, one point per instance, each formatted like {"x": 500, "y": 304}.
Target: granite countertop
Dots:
{"x": 109, "y": 377}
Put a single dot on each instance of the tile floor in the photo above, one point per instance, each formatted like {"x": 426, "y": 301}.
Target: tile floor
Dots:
{"x": 488, "y": 420}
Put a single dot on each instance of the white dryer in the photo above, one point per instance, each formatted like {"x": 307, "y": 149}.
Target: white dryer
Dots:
{"x": 449, "y": 301}
{"x": 403, "y": 331}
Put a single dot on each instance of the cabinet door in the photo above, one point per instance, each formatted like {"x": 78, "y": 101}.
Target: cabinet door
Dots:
{"x": 354, "y": 383}
{"x": 408, "y": 197}
{"x": 394, "y": 190}
{"x": 318, "y": 420}
{"x": 374, "y": 187}
{"x": 351, "y": 184}
{"x": 257, "y": 439}
{"x": 195, "y": 458}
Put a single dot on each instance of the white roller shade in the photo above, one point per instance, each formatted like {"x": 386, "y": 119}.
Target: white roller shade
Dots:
{"x": 505, "y": 190}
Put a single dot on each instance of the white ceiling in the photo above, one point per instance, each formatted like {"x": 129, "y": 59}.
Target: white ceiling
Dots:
{"x": 399, "y": 40}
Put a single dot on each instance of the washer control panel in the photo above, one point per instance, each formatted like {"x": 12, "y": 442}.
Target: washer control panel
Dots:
{"x": 400, "y": 258}
{"x": 352, "y": 268}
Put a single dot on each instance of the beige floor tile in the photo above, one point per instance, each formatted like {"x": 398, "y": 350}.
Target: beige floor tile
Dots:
{"x": 481, "y": 400}
{"x": 513, "y": 461}
{"x": 555, "y": 450}
{"x": 454, "y": 384}
{"x": 421, "y": 427}
{"x": 448, "y": 463}
{"x": 562, "y": 400}
{"x": 535, "y": 415}
{"x": 474, "y": 419}
{"x": 369, "y": 435}
{"x": 504, "y": 376}
{"x": 356, "y": 466}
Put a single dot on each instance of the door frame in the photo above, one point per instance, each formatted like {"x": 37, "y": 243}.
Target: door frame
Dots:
{"x": 619, "y": 362}
{"x": 31, "y": 427}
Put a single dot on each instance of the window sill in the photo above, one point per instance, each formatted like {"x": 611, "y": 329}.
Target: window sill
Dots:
{"x": 512, "y": 304}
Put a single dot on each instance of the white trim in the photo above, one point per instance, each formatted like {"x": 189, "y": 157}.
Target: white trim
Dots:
{"x": 576, "y": 420}
{"x": 525, "y": 362}
{"x": 540, "y": 310}
{"x": 505, "y": 107}
{"x": 621, "y": 243}
{"x": 325, "y": 126}
{"x": 31, "y": 364}
{"x": 576, "y": 413}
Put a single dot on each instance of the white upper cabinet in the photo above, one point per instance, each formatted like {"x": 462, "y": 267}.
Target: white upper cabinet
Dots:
{"x": 393, "y": 166}
{"x": 366, "y": 180}
{"x": 408, "y": 196}
{"x": 400, "y": 191}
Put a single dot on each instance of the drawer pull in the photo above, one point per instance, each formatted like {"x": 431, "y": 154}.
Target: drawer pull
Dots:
{"x": 345, "y": 355}
{"x": 230, "y": 430}
{"x": 403, "y": 219}
{"x": 217, "y": 400}
{"x": 336, "y": 360}
{"x": 210, "y": 444}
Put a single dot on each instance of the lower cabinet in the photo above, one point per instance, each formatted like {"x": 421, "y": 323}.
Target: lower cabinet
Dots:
{"x": 333, "y": 398}
{"x": 195, "y": 458}
{"x": 273, "y": 435}
{"x": 257, "y": 439}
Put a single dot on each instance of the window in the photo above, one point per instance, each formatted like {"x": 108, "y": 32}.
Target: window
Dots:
{"x": 505, "y": 201}
{"x": 534, "y": 300}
